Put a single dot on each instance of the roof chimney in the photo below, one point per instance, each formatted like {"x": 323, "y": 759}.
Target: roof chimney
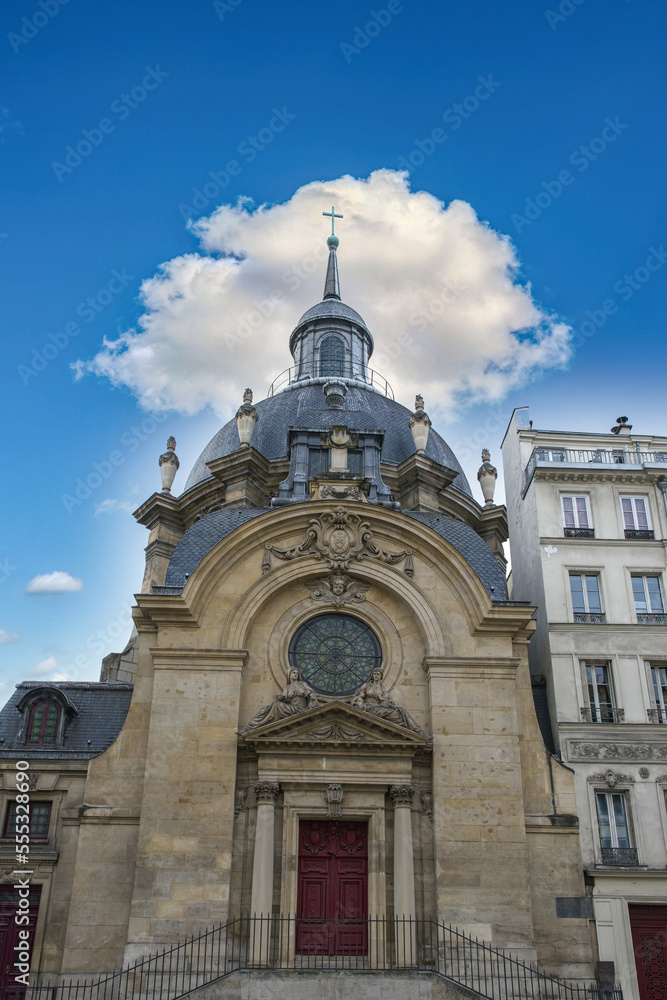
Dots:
{"x": 622, "y": 427}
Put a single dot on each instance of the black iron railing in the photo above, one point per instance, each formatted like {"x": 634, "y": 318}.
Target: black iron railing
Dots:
{"x": 623, "y": 856}
{"x": 602, "y": 713}
{"x": 640, "y": 534}
{"x": 311, "y": 372}
{"x": 579, "y": 532}
{"x": 651, "y": 618}
{"x": 286, "y": 943}
{"x": 590, "y": 617}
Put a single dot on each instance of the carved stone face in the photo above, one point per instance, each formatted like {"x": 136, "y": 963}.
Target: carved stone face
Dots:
{"x": 376, "y": 675}
{"x": 293, "y": 675}
{"x": 338, "y": 585}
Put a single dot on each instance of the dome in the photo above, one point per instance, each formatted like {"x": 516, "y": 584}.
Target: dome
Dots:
{"x": 331, "y": 309}
{"x": 295, "y": 407}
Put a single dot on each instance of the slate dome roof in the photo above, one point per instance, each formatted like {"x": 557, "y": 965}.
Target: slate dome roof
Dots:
{"x": 301, "y": 406}
{"x": 331, "y": 309}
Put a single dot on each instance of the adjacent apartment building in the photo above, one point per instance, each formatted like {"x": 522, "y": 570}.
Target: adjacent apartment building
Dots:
{"x": 588, "y": 532}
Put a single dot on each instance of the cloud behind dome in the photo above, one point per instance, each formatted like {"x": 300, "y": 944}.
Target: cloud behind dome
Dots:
{"x": 437, "y": 287}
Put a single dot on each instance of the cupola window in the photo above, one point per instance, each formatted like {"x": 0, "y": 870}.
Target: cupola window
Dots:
{"x": 43, "y": 722}
{"x": 332, "y": 357}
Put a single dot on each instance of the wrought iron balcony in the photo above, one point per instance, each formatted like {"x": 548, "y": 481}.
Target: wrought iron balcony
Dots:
{"x": 656, "y": 715}
{"x": 591, "y": 457}
{"x": 622, "y": 856}
{"x": 639, "y": 534}
{"x": 651, "y": 618}
{"x": 590, "y": 617}
{"x": 605, "y": 713}
{"x": 579, "y": 532}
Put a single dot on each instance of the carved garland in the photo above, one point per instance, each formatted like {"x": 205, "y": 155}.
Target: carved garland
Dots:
{"x": 340, "y": 538}
{"x": 617, "y": 751}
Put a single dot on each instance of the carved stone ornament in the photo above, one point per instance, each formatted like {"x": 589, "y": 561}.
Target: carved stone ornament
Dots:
{"x": 616, "y": 751}
{"x": 169, "y": 465}
{"x": 339, "y": 537}
{"x": 337, "y": 589}
{"x": 611, "y": 778}
{"x": 644, "y": 772}
{"x": 487, "y": 476}
{"x": 266, "y": 791}
{"x": 420, "y": 424}
{"x": 246, "y": 418}
{"x": 401, "y": 795}
{"x": 336, "y": 732}
{"x": 427, "y": 802}
{"x": 333, "y": 799}
{"x": 240, "y": 796}
{"x": 334, "y": 491}
{"x": 373, "y": 697}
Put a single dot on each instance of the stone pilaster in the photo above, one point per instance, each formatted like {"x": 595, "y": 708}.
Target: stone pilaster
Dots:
{"x": 262, "y": 866}
{"x": 404, "y": 874}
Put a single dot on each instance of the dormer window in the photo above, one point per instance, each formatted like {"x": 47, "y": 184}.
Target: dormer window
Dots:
{"x": 43, "y": 723}
{"x": 332, "y": 357}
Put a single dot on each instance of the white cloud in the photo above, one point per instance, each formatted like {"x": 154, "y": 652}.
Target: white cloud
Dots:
{"x": 46, "y": 666}
{"x": 8, "y": 636}
{"x": 53, "y": 583}
{"x": 437, "y": 287}
{"x": 59, "y": 676}
{"x": 108, "y": 507}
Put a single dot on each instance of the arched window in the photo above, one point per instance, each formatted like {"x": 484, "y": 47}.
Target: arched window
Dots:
{"x": 332, "y": 357}
{"x": 43, "y": 723}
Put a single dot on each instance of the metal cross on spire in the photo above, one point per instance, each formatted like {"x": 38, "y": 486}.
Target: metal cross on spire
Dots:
{"x": 333, "y": 216}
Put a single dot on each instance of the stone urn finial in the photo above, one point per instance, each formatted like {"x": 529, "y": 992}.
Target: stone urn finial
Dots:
{"x": 487, "y": 476}
{"x": 246, "y": 418}
{"x": 420, "y": 424}
{"x": 169, "y": 465}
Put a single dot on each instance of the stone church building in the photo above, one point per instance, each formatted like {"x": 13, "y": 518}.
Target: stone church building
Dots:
{"x": 324, "y": 712}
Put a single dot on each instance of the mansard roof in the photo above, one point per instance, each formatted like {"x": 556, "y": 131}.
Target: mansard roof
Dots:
{"x": 100, "y": 711}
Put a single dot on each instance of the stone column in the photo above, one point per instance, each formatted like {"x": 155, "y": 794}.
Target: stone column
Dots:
{"x": 404, "y": 875}
{"x": 262, "y": 872}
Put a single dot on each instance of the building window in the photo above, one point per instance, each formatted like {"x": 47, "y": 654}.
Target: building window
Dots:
{"x": 318, "y": 462}
{"x": 615, "y": 833}
{"x": 39, "y": 815}
{"x": 335, "y": 653}
{"x": 649, "y": 605}
{"x": 601, "y": 707}
{"x": 550, "y": 454}
{"x": 658, "y": 686}
{"x": 586, "y": 604}
{"x": 332, "y": 357}
{"x": 43, "y": 723}
{"x": 636, "y": 522}
{"x": 355, "y": 462}
{"x": 576, "y": 518}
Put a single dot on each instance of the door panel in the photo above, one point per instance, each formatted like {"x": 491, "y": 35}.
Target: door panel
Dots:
{"x": 649, "y": 937}
{"x": 9, "y": 937}
{"x": 332, "y": 900}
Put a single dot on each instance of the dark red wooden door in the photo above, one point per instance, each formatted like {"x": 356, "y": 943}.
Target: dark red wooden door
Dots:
{"x": 332, "y": 900}
{"x": 9, "y": 937}
{"x": 649, "y": 938}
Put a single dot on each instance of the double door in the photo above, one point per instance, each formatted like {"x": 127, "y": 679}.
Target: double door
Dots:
{"x": 649, "y": 939}
{"x": 332, "y": 899}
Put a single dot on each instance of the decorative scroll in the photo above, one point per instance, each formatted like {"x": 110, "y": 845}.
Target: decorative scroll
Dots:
{"x": 616, "y": 751}
{"x": 333, "y": 799}
{"x": 340, "y": 538}
{"x": 611, "y": 778}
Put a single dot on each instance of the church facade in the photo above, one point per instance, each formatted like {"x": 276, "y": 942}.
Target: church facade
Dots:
{"x": 330, "y": 710}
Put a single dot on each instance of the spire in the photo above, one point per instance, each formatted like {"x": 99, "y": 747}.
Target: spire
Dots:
{"x": 331, "y": 284}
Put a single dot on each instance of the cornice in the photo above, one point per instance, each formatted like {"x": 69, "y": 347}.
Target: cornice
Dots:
{"x": 166, "y": 609}
{"x": 199, "y": 659}
{"x": 468, "y": 667}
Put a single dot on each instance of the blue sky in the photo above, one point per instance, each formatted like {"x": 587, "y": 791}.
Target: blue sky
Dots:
{"x": 576, "y": 88}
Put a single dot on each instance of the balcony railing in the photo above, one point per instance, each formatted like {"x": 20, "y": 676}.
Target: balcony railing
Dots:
{"x": 275, "y": 944}
{"x": 622, "y": 856}
{"x": 351, "y": 373}
{"x": 591, "y": 457}
{"x": 579, "y": 532}
{"x": 590, "y": 617}
{"x": 640, "y": 534}
{"x": 657, "y": 715}
{"x": 651, "y": 618}
{"x": 605, "y": 713}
